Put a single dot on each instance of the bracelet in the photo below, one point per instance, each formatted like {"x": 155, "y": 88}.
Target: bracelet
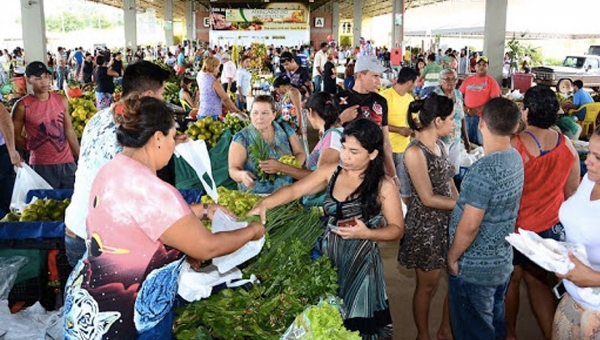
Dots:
{"x": 204, "y": 211}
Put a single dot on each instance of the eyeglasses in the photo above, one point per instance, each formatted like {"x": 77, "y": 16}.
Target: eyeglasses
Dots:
{"x": 450, "y": 80}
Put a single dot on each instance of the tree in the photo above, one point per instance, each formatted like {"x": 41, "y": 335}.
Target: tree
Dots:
{"x": 517, "y": 51}
{"x": 68, "y": 22}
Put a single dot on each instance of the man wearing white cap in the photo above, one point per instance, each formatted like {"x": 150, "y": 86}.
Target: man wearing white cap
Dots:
{"x": 228, "y": 75}
{"x": 362, "y": 101}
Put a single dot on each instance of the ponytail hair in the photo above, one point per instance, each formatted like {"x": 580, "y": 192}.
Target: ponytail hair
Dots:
{"x": 427, "y": 110}
{"x": 325, "y": 106}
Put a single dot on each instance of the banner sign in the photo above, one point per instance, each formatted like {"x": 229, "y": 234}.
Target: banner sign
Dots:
{"x": 275, "y": 16}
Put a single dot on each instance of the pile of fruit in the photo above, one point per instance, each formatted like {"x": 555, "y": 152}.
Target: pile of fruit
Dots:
{"x": 206, "y": 129}
{"x": 289, "y": 160}
{"x": 74, "y": 89}
{"x": 234, "y": 123}
{"x": 258, "y": 55}
{"x": 237, "y": 202}
{"x": 81, "y": 110}
{"x": 290, "y": 281}
{"x": 41, "y": 210}
{"x": 171, "y": 93}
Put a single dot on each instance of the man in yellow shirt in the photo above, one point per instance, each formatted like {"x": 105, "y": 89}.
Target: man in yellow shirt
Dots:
{"x": 398, "y": 99}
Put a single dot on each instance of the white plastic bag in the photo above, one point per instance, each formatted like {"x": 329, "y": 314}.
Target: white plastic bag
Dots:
{"x": 9, "y": 268}
{"x": 223, "y": 222}
{"x": 196, "y": 154}
{"x": 27, "y": 179}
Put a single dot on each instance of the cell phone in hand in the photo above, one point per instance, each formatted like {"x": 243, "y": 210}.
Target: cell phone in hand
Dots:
{"x": 559, "y": 290}
{"x": 350, "y": 222}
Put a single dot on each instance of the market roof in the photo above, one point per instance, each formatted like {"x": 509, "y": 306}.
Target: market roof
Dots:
{"x": 371, "y": 8}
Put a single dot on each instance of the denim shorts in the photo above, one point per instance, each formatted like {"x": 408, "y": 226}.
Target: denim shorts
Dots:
{"x": 556, "y": 232}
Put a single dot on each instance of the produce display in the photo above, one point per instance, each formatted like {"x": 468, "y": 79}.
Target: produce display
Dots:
{"x": 171, "y": 93}
{"x": 322, "y": 321}
{"x": 74, "y": 89}
{"x": 237, "y": 202}
{"x": 289, "y": 160}
{"x": 258, "y": 55}
{"x": 234, "y": 123}
{"x": 42, "y": 210}
{"x": 207, "y": 129}
{"x": 290, "y": 282}
{"x": 81, "y": 111}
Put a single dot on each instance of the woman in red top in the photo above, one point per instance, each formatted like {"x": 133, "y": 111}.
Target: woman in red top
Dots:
{"x": 551, "y": 176}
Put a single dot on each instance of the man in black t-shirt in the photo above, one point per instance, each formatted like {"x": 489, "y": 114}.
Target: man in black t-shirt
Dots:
{"x": 299, "y": 76}
{"x": 362, "y": 101}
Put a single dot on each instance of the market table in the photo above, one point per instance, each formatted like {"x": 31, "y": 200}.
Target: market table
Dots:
{"x": 43, "y": 244}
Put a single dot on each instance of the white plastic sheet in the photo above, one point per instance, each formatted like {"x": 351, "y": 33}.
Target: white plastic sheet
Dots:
{"x": 33, "y": 323}
{"x": 27, "y": 179}
{"x": 196, "y": 154}
{"x": 553, "y": 256}
{"x": 222, "y": 222}
{"x": 9, "y": 268}
{"x": 197, "y": 285}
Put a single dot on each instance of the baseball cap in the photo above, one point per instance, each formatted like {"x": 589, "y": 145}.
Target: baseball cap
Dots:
{"x": 368, "y": 63}
{"x": 484, "y": 59}
{"x": 36, "y": 68}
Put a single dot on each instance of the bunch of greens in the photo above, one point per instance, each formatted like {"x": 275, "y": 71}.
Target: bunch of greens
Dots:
{"x": 290, "y": 282}
{"x": 258, "y": 151}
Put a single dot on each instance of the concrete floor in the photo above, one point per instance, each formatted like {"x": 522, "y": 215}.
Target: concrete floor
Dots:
{"x": 400, "y": 287}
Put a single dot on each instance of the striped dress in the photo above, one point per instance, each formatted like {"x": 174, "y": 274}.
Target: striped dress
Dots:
{"x": 360, "y": 269}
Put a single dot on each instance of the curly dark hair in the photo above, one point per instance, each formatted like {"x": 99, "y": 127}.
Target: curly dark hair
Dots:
{"x": 543, "y": 106}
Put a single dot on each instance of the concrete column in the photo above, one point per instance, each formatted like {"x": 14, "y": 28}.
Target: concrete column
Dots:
{"x": 168, "y": 22}
{"x": 357, "y": 32}
{"x": 397, "y": 23}
{"x": 336, "y": 22}
{"x": 34, "y": 30}
{"x": 190, "y": 20}
{"x": 129, "y": 20}
{"x": 494, "y": 36}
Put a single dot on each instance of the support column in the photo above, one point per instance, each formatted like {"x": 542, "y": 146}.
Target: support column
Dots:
{"x": 494, "y": 36}
{"x": 34, "y": 30}
{"x": 129, "y": 19}
{"x": 168, "y": 22}
{"x": 190, "y": 20}
{"x": 336, "y": 22}
{"x": 357, "y": 32}
{"x": 397, "y": 23}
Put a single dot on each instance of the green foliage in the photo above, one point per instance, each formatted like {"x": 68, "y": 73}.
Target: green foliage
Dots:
{"x": 177, "y": 39}
{"x": 517, "y": 51}
{"x": 553, "y": 61}
{"x": 346, "y": 41}
{"x": 289, "y": 283}
{"x": 69, "y": 21}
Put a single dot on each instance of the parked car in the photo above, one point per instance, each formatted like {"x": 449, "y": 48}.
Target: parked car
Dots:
{"x": 594, "y": 50}
{"x": 575, "y": 67}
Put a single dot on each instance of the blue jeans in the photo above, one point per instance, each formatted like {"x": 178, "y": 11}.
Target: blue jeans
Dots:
{"x": 239, "y": 104}
{"x": 473, "y": 130}
{"x": 7, "y": 178}
{"x": 75, "y": 248}
{"x": 476, "y": 311}
{"x": 318, "y": 80}
{"x": 61, "y": 79}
